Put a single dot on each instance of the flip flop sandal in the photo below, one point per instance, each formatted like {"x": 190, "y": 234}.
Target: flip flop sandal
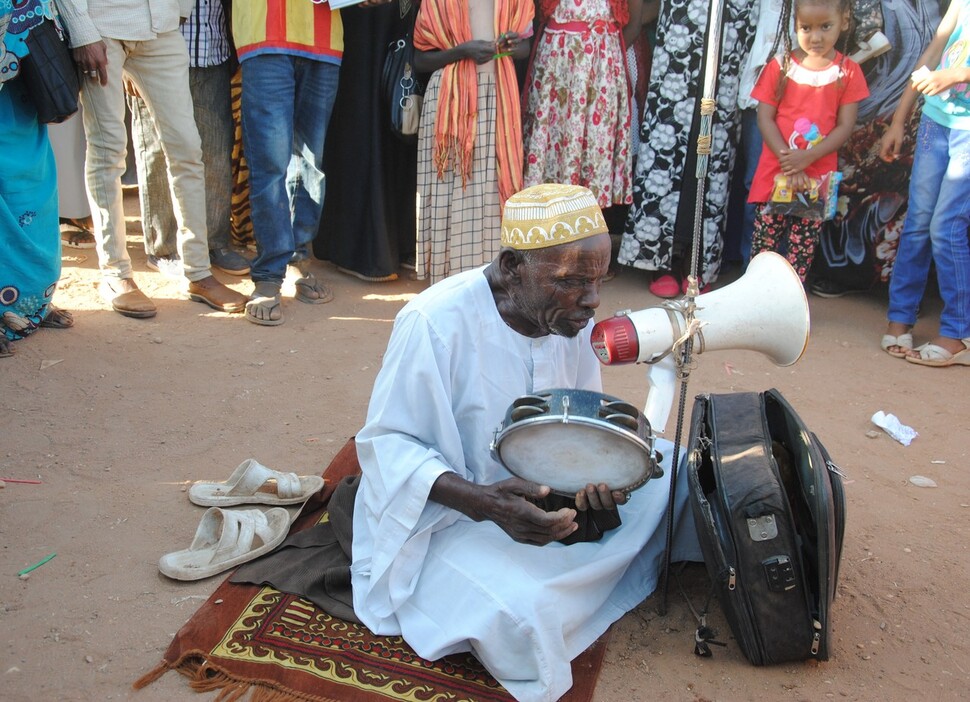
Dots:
{"x": 57, "y": 318}
{"x": 224, "y": 540}
{"x": 903, "y": 341}
{"x": 253, "y": 483}
{"x": 310, "y": 282}
{"x": 267, "y": 304}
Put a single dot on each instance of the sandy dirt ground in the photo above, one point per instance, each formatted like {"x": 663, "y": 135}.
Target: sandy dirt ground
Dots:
{"x": 118, "y": 416}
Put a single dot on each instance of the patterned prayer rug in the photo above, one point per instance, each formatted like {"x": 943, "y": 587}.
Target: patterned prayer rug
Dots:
{"x": 280, "y": 647}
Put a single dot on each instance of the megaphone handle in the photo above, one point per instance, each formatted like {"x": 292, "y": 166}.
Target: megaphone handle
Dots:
{"x": 662, "y": 377}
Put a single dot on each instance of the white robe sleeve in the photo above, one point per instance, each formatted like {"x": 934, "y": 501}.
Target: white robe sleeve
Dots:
{"x": 410, "y": 439}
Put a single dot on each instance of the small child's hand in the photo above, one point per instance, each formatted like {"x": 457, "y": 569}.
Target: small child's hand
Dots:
{"x": 795, "y": 160}
{"x": 891, "y": 143}
{"x": 799, "y": 182}
{"x": 935, "y": 82}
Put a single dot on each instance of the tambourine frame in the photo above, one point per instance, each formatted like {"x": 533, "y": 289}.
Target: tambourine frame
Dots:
{"x": 591, "y": 418}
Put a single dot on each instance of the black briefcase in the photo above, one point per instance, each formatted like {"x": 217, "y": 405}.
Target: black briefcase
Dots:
{"x": 769, "y": 507}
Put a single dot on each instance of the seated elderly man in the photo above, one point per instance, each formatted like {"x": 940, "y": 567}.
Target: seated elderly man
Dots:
{"x": 452, "y": 551}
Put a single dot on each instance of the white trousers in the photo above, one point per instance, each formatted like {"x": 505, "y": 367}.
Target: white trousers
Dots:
{"x": 159, "y": 69}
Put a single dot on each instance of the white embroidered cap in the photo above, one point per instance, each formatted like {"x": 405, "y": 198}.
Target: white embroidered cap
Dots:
{"x": 550, "y": 214}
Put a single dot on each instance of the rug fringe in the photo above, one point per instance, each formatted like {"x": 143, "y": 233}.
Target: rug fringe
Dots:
{"x": 262, "y": 693}
{"x": 151, "y": 676}
{"x": 233, "y": 692}
{"x": 204, "y": 677}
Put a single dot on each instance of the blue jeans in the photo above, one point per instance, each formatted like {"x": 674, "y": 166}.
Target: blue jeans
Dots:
{"x": 213, "y": 116}
{"x": 936, "y": 225}
{"x": 286, "y": 107}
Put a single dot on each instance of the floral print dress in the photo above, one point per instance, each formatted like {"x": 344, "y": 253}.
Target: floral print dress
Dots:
{"x": 577, "y": 116}
{"x": 662, "y": 170}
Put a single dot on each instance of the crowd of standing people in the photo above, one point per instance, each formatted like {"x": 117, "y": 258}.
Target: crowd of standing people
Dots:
{"x": 603, "y": 94}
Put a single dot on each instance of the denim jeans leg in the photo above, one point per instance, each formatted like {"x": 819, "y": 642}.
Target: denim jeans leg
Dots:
{"x": 948, "y": 234}
{"x": 912, "y": 265}
{"x": 158, "y": 223}
{"x": 316, "y": 89}
{"x": 213, "y": 116}
{"x": 268, "y": 106}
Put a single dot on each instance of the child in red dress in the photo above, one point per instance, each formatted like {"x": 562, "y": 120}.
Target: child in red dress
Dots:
{"x": 808, "y": 101}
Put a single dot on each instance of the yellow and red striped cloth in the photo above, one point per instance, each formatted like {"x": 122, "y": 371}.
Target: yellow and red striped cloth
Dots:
{"x": 296, "y": 27}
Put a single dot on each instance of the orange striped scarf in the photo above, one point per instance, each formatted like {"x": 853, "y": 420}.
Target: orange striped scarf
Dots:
{"x": 443, "y": 24}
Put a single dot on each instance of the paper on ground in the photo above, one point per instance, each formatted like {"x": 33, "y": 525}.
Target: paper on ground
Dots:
{"x": 896, "y": 429}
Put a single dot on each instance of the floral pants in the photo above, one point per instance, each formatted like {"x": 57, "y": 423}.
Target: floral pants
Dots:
{"x": 795, "y": 236}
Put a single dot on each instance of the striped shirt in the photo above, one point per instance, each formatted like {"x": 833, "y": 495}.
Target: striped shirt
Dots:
{"x": 294, "y": 27}
{"x": 206, "y": 34}
{"x": 125, "y": 20}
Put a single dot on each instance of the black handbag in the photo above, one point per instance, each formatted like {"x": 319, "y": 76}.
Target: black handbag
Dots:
{"x": 49, "y": 75}
{"x": 401, "y": 89}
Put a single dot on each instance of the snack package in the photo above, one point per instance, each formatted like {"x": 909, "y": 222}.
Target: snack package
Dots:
{"x": 818, "y": 202}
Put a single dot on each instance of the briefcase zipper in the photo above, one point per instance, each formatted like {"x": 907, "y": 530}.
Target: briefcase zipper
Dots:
{"x": 833, "y": 468}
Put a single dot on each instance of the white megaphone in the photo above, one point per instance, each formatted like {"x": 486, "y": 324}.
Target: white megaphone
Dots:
{"x": 765, "y": 310}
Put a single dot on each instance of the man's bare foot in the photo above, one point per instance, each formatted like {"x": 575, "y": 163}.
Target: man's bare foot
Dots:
{"x": 312, "y": 291}
{"x": 265, "y": 306}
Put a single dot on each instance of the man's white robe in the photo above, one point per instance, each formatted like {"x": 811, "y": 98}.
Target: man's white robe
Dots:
{"x": 445, "y": 582}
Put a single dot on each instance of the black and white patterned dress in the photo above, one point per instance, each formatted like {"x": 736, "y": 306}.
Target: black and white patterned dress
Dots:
{"x": 664, "y": 174}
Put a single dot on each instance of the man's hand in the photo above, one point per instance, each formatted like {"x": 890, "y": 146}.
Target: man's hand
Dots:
{"x": 508, "y": 504}
{"x": 599, "y": 497}
{"x": 92, "y": 60}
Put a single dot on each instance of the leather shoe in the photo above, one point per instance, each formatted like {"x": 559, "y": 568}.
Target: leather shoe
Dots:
{"x": 216, "y": 295}
{"x": 126, "y": 299}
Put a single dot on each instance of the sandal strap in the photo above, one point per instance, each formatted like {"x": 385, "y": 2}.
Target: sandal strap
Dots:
{"x": 236, "y": 529}
{"x": 251, "y": 475}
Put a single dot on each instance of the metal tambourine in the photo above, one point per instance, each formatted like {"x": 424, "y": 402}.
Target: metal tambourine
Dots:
{"x": 567, "y": 439}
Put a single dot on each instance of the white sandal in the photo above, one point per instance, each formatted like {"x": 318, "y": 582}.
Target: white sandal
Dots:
{"x": 252, "y": 483}
{"x": 938, "y": 357}
{"x": 224, "y": 540}
{"x": 904, "y": 341}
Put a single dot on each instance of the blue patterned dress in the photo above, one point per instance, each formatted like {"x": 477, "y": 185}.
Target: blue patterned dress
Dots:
{"x": 30, "y": 264}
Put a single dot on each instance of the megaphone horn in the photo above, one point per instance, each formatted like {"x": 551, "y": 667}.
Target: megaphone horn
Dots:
{"x": 765, "y": 310}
